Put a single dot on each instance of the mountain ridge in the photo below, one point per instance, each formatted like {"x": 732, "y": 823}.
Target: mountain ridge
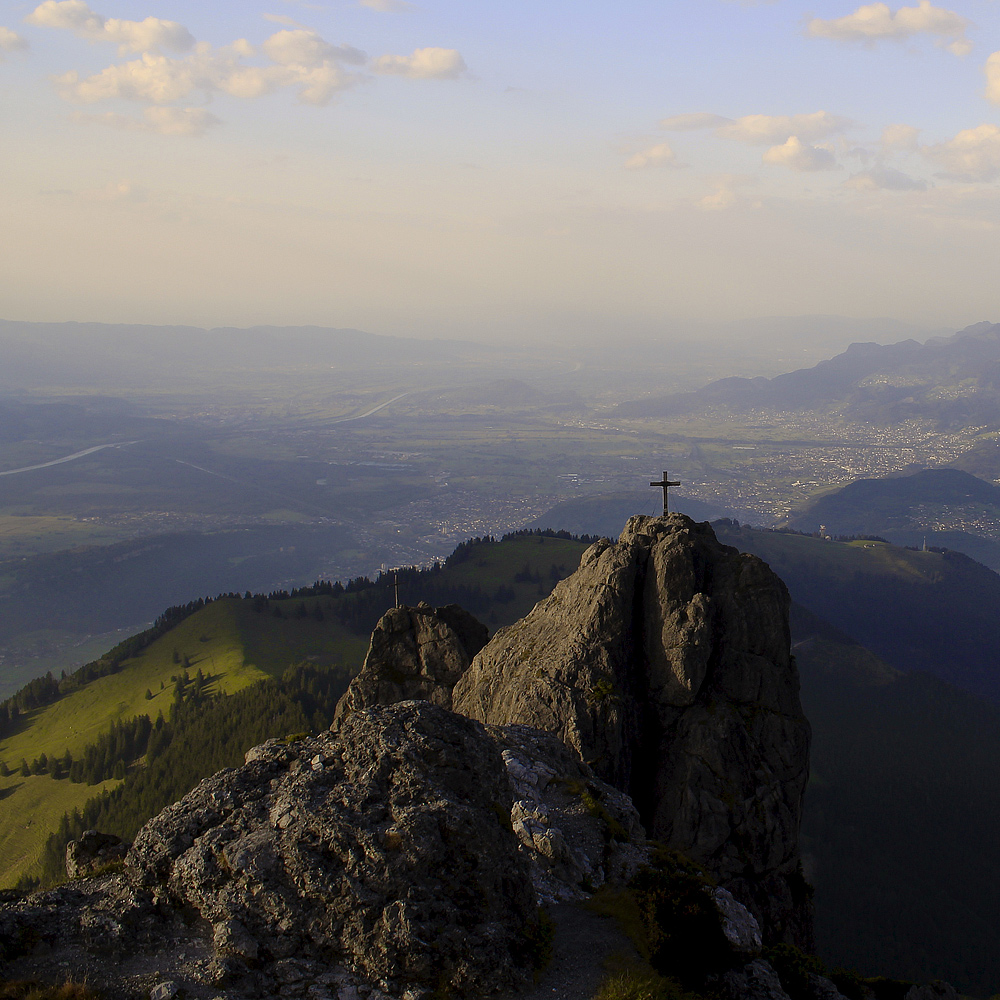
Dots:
{"x": 971, "y": 355}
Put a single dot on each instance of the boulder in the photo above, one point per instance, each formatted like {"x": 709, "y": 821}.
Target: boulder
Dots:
{"x": 415, "y": 653}
{"x": 93, "y": 851}
{"x": 664, "y": 660}
{"x": 754, "y": 981}
{"x": 385, "y": 845}
{"x": 576, "y": 831}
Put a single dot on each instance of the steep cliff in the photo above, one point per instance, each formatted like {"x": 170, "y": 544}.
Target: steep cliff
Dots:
{"x": 665, "y": 661}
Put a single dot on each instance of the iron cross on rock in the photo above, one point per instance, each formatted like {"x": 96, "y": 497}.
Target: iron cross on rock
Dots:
{"x": 666, "y": 484}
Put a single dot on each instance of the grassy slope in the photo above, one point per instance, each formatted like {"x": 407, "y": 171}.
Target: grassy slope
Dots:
{"x": 494, "y": 565}
{"x": 226, "y": 640}
{"x": 30, "y": 808}
{"x": 234, "y": 647}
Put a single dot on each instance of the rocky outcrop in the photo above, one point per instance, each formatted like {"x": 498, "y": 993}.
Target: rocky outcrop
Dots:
{"x": 576, "y": 831}
{"x": 402, "y": 854}
{"x": 93, "y": 851}
{"x": 386, "y": 845}
{"x": 415, "y": 653}
{"x": 664, "y": 660}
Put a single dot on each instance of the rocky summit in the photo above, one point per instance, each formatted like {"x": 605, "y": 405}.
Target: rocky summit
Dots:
{"x": 664, "y": 660}
{"x": 403, "y": 854}
{"x": 417, "y": 653}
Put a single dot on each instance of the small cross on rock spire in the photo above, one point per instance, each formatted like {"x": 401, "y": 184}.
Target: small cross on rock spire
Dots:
{"x": 666, "y": 484}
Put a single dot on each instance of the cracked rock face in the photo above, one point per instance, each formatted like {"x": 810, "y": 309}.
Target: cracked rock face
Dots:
{"x": 385, "y": 845}
{"x": 415, "y": 653}
{"x": 664, "y": 660}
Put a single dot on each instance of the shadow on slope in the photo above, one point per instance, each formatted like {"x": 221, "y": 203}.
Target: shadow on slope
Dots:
{"x": 931, "y": 611}
{"x": 900, "y": 817}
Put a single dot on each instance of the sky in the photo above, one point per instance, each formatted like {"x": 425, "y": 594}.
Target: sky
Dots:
{"x": 507, "y": 171}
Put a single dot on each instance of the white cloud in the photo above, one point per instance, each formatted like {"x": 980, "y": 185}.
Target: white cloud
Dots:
{"x": 306, "y": 48}
{"x": 11, "y": 41}
{"x": 719, "y": 200}
{"x": 688, "y": 123}
{"x": 150, "y": 35}
{"x": 993, "y": 78}
{"x": 884, "y": 179}
{"x": 300, "y": 59}
{"x": 797, "y": 155}
{"x": 387, "y": 6}
{"x": 899, "y": 137}
{"x": 191, "y": 122}
{"x": 660, "y": 155}
{"x": 773, "y": 129}
{"x": 972, "y": 156}
{"x": 424, "y": 64}
{"x": 876, "y": 21}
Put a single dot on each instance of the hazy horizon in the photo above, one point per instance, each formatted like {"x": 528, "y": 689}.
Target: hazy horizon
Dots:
{"x": 505, "y": 173}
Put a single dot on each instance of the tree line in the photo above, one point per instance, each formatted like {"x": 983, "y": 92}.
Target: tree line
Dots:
{"x": 199, "y": 738}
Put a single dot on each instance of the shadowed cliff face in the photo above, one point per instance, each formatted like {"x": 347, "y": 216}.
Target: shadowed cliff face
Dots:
{"x": 665, "y": 661}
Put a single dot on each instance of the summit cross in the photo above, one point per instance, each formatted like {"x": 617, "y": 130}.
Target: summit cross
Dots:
{"x": 666, "y": 484}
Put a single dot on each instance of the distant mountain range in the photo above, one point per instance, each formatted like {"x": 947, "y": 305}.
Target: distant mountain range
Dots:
{"x": 86, "y": 353}
{"x": 953, "y": 380}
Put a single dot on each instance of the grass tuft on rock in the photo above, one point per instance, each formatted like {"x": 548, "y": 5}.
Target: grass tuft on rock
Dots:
{"x": 20, "y": 990}
{"x": 641, "y": 984}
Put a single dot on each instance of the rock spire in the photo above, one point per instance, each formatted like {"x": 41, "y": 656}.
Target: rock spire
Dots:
{"x": 664, "y": 660}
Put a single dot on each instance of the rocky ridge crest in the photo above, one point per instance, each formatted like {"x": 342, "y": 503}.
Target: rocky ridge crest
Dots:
{"x": 415, "y": 653}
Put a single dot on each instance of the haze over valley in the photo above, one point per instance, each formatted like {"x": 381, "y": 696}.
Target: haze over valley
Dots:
{"x": 341, "y": 344}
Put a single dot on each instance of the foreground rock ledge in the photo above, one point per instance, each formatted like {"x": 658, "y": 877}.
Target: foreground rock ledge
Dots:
{"x": 386, "y": 846}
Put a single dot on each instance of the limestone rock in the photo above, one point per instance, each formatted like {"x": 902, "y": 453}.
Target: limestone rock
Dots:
{"x": 664, "y": 660}
{"x": 415, "y": 653}
{"x": 739, "y": 926}
{"x": 938, "y": 990}
{"x": 822, "y": 988}
{"x": 164, "y": 991}
{"x": 92, "y": 851}
{"x": 755, "y": 981}
{"x": 577, "y": 831}
{"x": 394, "y": 856}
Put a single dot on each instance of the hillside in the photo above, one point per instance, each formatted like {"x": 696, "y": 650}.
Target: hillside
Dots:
{"x": 237, "y": 642}
{"x": 954, "y": 381}
{"x": 934, "y": 498}
{"x": 898, "y": 833}
{"x": 930, "y": 611}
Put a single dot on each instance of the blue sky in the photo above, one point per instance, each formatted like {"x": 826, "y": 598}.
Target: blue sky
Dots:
{"x": 499, "y": 170}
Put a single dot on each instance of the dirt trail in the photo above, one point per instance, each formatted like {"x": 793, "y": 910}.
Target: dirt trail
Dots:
{"x": 584, "y": 942}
